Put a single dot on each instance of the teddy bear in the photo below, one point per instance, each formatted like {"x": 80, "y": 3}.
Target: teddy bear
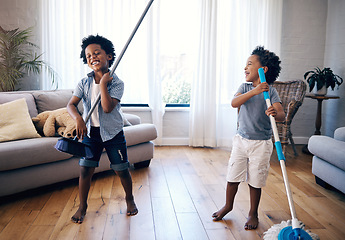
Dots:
{"x": 48, "y": 123}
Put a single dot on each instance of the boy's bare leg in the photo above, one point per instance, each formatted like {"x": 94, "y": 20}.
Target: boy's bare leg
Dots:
{"x": 84, "y": 187}
{"x": 126, "y": 181}
{"x": 231, "y": 190}
{"x": 253, "y": 220}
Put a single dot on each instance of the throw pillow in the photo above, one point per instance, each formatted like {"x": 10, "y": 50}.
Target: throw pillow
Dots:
{"x": 15, "y": 121}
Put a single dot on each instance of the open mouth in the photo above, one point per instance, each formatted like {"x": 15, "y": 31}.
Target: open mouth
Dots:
{"x": 94, "y": 63}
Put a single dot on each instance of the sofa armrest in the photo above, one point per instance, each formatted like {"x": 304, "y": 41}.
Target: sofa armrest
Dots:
{"x": 339, "y": 134}
{"x": 140, "y": 133}
{"x": 132, "y": 119}
{"x": 328, "y": 149}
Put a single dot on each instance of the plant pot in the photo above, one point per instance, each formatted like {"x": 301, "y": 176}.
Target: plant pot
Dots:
{"x": 322, "y": 91}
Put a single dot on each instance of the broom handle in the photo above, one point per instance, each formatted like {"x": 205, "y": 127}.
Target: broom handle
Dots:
{"x": 120, "y": 57}
{"x": 280, "y": 154}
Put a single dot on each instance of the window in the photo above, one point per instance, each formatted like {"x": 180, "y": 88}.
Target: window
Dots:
{"x": 179, "y": 40}
{"x": 64, "y": 26}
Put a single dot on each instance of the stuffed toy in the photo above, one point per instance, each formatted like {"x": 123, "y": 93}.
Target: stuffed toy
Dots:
{"x": 59, "y": 121}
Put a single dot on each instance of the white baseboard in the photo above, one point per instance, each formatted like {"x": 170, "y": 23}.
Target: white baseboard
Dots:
{"x": 185, "y": 141}
{"x": 175, "y": 141}
{"x": 301, "y": 140}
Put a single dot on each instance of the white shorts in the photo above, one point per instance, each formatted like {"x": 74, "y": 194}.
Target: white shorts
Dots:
{"x": 249, "y": 161}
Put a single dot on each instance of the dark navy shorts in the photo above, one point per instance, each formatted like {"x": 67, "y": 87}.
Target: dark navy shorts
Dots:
{"x": 116, "y": 150}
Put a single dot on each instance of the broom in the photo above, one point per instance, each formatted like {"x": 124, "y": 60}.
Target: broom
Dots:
{"x": 73, "y": 146}
{"x": 292, "y": 229}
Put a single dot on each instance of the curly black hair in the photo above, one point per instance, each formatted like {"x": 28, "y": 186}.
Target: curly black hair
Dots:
{"x": 270, "y": 60}
{"x": 105, "y": 44}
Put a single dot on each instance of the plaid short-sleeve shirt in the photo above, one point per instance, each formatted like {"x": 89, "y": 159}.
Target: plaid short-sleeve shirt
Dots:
{"x": 110, "y": 123}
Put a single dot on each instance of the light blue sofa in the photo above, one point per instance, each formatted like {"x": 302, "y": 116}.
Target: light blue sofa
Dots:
{"x": 329, "y": 159}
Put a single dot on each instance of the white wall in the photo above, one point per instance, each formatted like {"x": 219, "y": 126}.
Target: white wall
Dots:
{"x": 313, "y": 36}
{"x": 22, "y": 14}
{"x": 175, "y": 123}
{"x": 333, "y": 112}
{"x": 303, "y": 44}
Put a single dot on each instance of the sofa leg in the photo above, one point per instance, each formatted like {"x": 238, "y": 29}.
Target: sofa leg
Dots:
{"x": 142, "y": 164}
{"x": 322, "y": 183}
{"x": 325, "y": 185}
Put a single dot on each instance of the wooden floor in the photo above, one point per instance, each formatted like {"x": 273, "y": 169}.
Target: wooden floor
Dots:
{"x": 176, "y": 197}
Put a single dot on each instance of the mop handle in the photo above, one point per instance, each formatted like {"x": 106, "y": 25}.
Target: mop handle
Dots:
{"x": 280, "y": 154}
{"x": 118, "y": 59}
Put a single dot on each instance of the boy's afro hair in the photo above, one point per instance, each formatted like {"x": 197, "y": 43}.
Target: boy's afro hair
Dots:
{"x": 269, "y": 59}
{"x": 105, "y": 44}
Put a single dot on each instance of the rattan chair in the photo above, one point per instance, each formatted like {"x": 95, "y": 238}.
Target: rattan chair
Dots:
{"x": 291, "y": 94}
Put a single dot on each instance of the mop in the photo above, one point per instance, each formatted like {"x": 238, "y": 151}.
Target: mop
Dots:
{"x": 291, "y": 229}
{"x": 73, "y": 146}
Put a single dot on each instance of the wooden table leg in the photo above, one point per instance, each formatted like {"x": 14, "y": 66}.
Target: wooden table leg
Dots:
{"x": 318, "y": 117}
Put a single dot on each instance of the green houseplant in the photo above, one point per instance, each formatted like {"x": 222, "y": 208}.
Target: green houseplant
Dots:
{"x": 18, "y": 58}
{"x": 322, "y": 78}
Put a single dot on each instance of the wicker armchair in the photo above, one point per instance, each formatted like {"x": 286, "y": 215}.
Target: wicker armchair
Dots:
{"x": 291, "y": 94}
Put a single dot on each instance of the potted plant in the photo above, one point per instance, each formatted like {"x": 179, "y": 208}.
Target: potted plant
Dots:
{"x": 18, "y": 58}
{"x": 323, "y": 79}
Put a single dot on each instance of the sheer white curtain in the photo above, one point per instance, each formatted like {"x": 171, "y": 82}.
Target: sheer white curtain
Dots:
{"x": 65, "y": 23}
{"x": 229, "y": 31}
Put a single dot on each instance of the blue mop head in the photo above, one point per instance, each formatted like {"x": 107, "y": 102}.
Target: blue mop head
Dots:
{"x": 284, "y": 231}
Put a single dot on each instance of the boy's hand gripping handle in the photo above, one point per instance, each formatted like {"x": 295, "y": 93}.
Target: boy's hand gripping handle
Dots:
{"x": 272, "y": 119}
{"x": 281, "y": 158}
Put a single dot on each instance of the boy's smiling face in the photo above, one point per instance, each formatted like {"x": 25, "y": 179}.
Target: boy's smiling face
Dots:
{"x": 97, "y": 58}
{"x": 251, "y": 69}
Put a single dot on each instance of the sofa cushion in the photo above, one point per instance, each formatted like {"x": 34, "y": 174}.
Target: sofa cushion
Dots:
{"x": 41, "y": 150}
{"x": 15, "y": 121}
{"x": 51, "y": 100}
{"x": 140, "y": 133}
{"x": 29, "y": 152}
{"x": 11, "y": 96}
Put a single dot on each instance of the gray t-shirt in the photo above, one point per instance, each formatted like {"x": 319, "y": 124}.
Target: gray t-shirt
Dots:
{"x": 253, "y": 123}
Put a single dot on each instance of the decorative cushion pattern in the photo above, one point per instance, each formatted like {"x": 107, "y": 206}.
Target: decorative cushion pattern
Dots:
{"x": 15, "y": 121}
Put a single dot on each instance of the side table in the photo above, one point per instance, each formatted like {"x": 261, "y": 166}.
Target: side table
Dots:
{"x": 319, "y": 99}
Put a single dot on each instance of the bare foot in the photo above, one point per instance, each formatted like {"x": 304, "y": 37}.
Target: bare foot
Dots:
{"x": 131, "y": 208}
{"x": 217, "y": 216}
{"x": 252, "y": 223}
{"x": 78, "y": 217}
